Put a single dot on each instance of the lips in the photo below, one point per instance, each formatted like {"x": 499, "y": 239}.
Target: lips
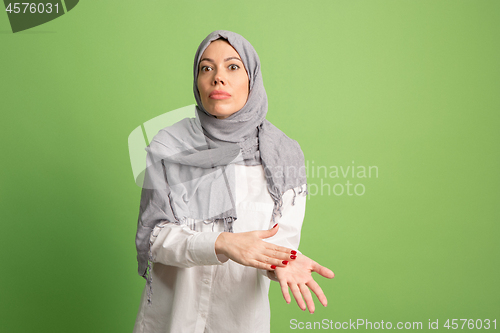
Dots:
{"x": 219, "y": 94}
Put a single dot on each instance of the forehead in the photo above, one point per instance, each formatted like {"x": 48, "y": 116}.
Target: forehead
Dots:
{"x": 219, "y": 47}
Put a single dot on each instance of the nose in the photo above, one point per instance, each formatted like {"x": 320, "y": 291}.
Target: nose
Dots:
{"x": 219, "y": 79}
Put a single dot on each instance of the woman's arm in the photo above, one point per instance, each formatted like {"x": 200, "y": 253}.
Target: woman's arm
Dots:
{"x": 177, "y": 245}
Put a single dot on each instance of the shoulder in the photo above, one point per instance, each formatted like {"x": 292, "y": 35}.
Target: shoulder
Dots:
{"x": 182, "y": 135}
{"x": 279, "y": 140}
{"x": 177, "y": 131}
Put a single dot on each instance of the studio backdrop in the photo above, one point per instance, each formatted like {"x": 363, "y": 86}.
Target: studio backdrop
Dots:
{"x": 394, "y": 103}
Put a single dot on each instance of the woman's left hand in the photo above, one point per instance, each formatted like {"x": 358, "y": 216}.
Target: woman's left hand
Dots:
{"x": 297, "y": 276}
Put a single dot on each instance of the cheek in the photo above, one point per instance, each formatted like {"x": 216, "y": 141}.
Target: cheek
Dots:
{"x": 201, "y": 88}
{"x": 243, "y": 87}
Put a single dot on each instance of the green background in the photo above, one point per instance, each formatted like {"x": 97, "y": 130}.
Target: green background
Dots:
{"x": 411, "y": 87}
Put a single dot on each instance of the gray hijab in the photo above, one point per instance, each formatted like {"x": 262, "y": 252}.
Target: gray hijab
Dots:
{"x": 190, "y": 165}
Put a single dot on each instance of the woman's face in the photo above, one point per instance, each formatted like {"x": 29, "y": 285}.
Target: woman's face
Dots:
{"x": 222, "y": 80}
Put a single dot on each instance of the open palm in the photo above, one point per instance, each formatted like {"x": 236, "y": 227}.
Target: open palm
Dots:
{"x": 297, "y": 276}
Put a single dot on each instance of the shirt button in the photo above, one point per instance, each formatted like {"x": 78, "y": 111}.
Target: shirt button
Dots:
{"x": 205, "y": 281}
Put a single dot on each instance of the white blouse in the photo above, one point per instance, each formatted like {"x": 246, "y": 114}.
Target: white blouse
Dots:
{"x": 197, "y": 291}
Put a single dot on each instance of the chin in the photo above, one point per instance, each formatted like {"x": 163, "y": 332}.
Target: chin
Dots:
{"x": 221, "y": 112}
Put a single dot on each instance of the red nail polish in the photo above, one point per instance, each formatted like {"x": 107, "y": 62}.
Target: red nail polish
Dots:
{"x": 273, "y": 267}
{"x": 275, "y": 225}
{"x": 293, "y": 257}
{"x": 293, "y": 252}
{"x": 284, "y": 262}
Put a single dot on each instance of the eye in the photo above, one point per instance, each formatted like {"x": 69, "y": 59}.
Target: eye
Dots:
{"x": 205, "y": 68}
{"x": 233, "y": 67}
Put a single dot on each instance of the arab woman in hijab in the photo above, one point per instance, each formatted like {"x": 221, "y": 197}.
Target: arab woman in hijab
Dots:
{"x": 222, "y": 206}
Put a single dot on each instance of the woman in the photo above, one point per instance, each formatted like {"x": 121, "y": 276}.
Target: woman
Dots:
{"x": 222, "y": 206}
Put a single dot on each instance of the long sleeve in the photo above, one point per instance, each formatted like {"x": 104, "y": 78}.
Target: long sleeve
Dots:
{"x": 177, "y": 245}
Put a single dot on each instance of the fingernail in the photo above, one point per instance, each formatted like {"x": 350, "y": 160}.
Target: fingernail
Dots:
{"x": 293, "y": 257}
{"x": 293, "y": 252}
{"x": 275, "y": 225}
{"x": 273, "y": 267}
{"x": 284, "y": 262}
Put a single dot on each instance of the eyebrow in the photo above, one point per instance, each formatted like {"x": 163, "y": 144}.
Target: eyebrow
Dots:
{"x": 227, "y": 59}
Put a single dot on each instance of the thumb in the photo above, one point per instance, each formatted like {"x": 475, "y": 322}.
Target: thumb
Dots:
{"x": 269, "y": 233}
{"x": 323, "y": 271}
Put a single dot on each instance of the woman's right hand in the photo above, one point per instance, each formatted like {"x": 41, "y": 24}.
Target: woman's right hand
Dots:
{"x": 298, "y": 277}
{"x": 249, "y": 249}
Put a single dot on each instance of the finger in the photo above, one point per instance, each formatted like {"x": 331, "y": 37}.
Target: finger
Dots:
{"x": 261, "y": 265}
{"x": 279, "y": 249}
{"x": 297, "y": 295}
{"x": 307, "y": 297}
{"x": 268, "y": 233}
{"x": 323, "y": 271}
{"x": 278, "y": 256}
{"x": 284, "y": 291}
{"x": 268, "y": 261}
{"x": 265, "y": 263}
{"x": 318, "y": 292}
